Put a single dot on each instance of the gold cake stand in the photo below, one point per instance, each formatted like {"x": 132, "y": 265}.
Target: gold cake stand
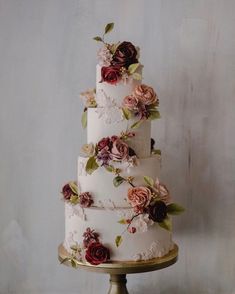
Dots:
{"x": 119, "y": 270}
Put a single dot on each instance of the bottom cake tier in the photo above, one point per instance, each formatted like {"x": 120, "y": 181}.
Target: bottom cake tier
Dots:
{"x": 148, "y": 240}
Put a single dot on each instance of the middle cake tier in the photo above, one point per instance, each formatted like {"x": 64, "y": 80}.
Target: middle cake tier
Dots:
{"x": 100, "y": 182}
{"x": 105, "y": 122}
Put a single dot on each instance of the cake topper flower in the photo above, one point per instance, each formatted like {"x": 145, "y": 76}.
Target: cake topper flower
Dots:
{"x": 118, "y": 61}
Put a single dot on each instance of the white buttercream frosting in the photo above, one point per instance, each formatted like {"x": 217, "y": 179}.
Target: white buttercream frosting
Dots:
{"x": 154, "y": 242}
{"x": 102, "y": 123}
{"x": 100, "y": 182}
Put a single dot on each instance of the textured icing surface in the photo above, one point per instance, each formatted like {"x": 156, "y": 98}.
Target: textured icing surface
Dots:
{"x": 115, "y": 92}
{"x": 99, "y": 126}
{"x": 155, "y": 242}
{"x": 100, "y": 183}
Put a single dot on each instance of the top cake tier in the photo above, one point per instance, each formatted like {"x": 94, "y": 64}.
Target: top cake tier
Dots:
{"x": 114, "y": 93}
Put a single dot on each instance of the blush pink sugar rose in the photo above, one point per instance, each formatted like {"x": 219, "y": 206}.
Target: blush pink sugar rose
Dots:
{"x": 139, "y": 198}
{"x": 145, "y": 94}
{"x": 130, "y": 102}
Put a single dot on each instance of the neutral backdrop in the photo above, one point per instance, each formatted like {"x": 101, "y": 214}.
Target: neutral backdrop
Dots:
{"x": 47, "y": 57}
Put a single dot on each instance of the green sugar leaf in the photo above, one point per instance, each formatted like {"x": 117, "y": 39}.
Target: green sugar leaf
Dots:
{"x": 122, "y": 221}
{"x": 166, "y": 224}
{"x": 126, "y": 113}
{"x": 91, "y": 165}
{"x": 133, "y": 67}
{"x": 175, "y": 209}
{"x": 136, "y": 76}
{"x": 156, "y": 151}
{"x": 118, "y": 180}
{"x": 98, "y": 39}
{"x": 137, "y": 124}
{"x": 109, "y": 168}
{"x": 118, "y": 241}
{"x": 73, "y": 186}
{"x": 149, "y": 181}
{"x": 74, "y": 199}
{"x": 84, "y": 119}
{"x": 154, "y": 114}
{"x": 108, "y": 27}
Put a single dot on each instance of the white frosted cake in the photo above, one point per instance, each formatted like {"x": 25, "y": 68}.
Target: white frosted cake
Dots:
{"x": 118, "y": 209}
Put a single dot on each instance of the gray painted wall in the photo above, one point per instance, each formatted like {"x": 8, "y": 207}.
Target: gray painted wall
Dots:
{"x": 46, "y": 58}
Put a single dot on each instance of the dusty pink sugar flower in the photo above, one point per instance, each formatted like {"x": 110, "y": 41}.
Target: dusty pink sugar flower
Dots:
{"x": 162, "y": 192}
{"x": 120, "y": 150}
{"x": 85, "y": 199}
{"x": 104, "y": 56}
{"x": 130, "y": 102}
{"x": 139, "y": 198}
{"x": 145, "y": 94}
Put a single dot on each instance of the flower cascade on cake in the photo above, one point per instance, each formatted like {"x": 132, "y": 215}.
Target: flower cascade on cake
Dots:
{"x": 72, "y": 195}
{"x": 107, "y": 150}
{"x": 91, "y": 250}
{"x": 141, "y": 224}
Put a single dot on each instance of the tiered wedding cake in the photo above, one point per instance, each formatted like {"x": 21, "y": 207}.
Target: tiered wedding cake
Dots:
{"x": 118, "y": 209}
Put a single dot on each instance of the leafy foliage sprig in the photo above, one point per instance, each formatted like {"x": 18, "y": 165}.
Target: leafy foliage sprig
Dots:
{"x": 108, "y": 28}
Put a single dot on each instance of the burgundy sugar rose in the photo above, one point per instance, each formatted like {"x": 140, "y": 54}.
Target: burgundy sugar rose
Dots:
{"x": 105, "y": 142}
{"x": 97, "y": 253}
{"x": 125, "y": 54}
{"x": 85, "y": 199}
{"x": 158, "y": 211}
{"x": 119, "y": 150}
{"x": 145, "y": 94}
{"x": 139, "y": 198}
{"x": 130, "y": 102}
{"x": 68, "y": 192}
{"x": 90, "y": 236}
{"x": 110, "y": 74}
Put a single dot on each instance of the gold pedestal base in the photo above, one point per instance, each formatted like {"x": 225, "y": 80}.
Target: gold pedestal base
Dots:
{"x": 118, "y": 270}
{"x": 118, "y": 284}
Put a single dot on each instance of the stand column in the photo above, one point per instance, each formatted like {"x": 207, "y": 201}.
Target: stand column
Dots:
{"x": 118, "y": 284}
